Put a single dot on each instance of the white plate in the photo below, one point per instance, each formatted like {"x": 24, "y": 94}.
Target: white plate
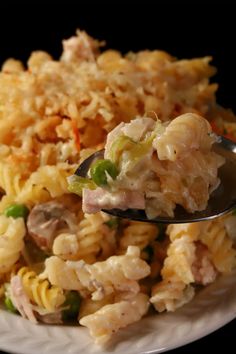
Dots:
{"x": 212, "y": 308}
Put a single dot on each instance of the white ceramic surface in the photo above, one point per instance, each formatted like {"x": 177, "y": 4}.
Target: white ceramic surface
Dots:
{"x": 212, "y": 308}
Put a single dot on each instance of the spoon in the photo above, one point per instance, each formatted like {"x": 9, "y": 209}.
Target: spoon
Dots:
{"x": 221, "y": 201}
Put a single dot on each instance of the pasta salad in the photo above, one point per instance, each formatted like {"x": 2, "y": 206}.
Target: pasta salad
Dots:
{"x": 59, "y": 264}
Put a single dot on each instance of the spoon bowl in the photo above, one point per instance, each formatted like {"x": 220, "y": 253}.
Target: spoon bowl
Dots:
{"x": 221, "y": 201}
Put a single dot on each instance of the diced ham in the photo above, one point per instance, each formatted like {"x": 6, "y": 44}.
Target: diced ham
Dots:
{"x": 20, "y": 299}
{"x": 95, "y": 200}
{"x": 203, "y": 269}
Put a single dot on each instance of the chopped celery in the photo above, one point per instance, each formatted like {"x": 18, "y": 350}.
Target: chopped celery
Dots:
{"x": 9, "y": 305}
{"x": 135, "y": 151}
{"x": 100, "y": 169}
{"x": 120, "y": 144}
{"x": 159, "y": 129}
{"x": 77, "y": 183}
{"x": 139, "y": 150}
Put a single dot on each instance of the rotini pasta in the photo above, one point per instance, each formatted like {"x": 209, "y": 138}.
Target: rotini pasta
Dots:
{"x": 179, "y": 260}
{"x": 89, "y": 306}
{"x": 9, "y": 181}
{"x": 177, "y": 272}
{"x": 12, "y": 232}
{"x": 169, "y": 295}
{"x": 214, "y": 236}
{"x": 137, "y": 234}
{"x": 44, "y": 179}
{"x": 93, "y": 237}
{"x": 119, "y": 274}
{"x": 110, "y": 318}
{"x": 40, "y": 292}
{"x": 176, "y": 231}
{"x": 39, "y": 188}
{"x": 60, "y": 274}
{"x": 173, "y": 144}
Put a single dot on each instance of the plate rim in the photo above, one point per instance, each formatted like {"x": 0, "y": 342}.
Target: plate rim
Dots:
{"x": 23, "y": 339}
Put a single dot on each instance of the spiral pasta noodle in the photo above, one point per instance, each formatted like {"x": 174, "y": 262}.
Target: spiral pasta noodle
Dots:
{"x": 215, "y": 237}
{"x": 174, "y": 290}
{"x": 117, "y": 274}
{"x": 200, "y": 177}
{"x": 180, "y": 257}
{"x": 40, "y": 292}
{"x": 49, "y": 178}
{"x": 40, "y": 186}
{"x": 169, "y": 295}
{"x": 110, "y": 318}
{"x": 9, "y": 181}
{"x": 89, "y": 306}
{"x": 137, "y": 234}
{"x": 93, "y": 237}
{"x": 173, "y": 143}
{"x": 12, "y": 232}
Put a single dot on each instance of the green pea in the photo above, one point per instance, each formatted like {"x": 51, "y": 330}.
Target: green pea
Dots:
{"x": 73, "y": 300}
{"x": 9, "y": 305}
{"x": 113, "y": 223}
{"x": 17, "y": 211}
{"x": 100, "y": 168}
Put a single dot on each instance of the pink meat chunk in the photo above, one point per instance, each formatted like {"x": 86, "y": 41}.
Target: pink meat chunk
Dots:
{"x": 203, "y": 269}
{"x": 20, "y": 299}
{"x": 95, "y": 200}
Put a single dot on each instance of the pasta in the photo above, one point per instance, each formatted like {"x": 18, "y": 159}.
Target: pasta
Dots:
{"x": 89, "y": 306}
{"x": 106, "y": 321}
{"x": 170, "y": 295}
{"x": 117, "y": 274}
{"x": 40, "y": 292}
{"x": 188, "y": 262}
{"x": 173, "y": 144}
{"x": 12, "y": 232}
{"x": 181, "y": 252}
{"x": 172, "y": 167}
{"x": 137, "y": 234}
{"x": 215, "y": 237}
{"x": 175, "y": 290}
{"x": 101, "y": 271}
{"x": 60, "y": 274}
{"x": 93, "y": 237}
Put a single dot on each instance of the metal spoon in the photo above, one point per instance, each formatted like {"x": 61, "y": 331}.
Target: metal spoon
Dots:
{"x": 222, "y": 200}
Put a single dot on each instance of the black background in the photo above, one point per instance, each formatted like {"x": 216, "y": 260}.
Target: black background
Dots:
{"x": 184, "y": 29}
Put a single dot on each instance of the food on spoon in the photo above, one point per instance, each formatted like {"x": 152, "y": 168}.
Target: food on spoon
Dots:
{"x": 154, "y": 166}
